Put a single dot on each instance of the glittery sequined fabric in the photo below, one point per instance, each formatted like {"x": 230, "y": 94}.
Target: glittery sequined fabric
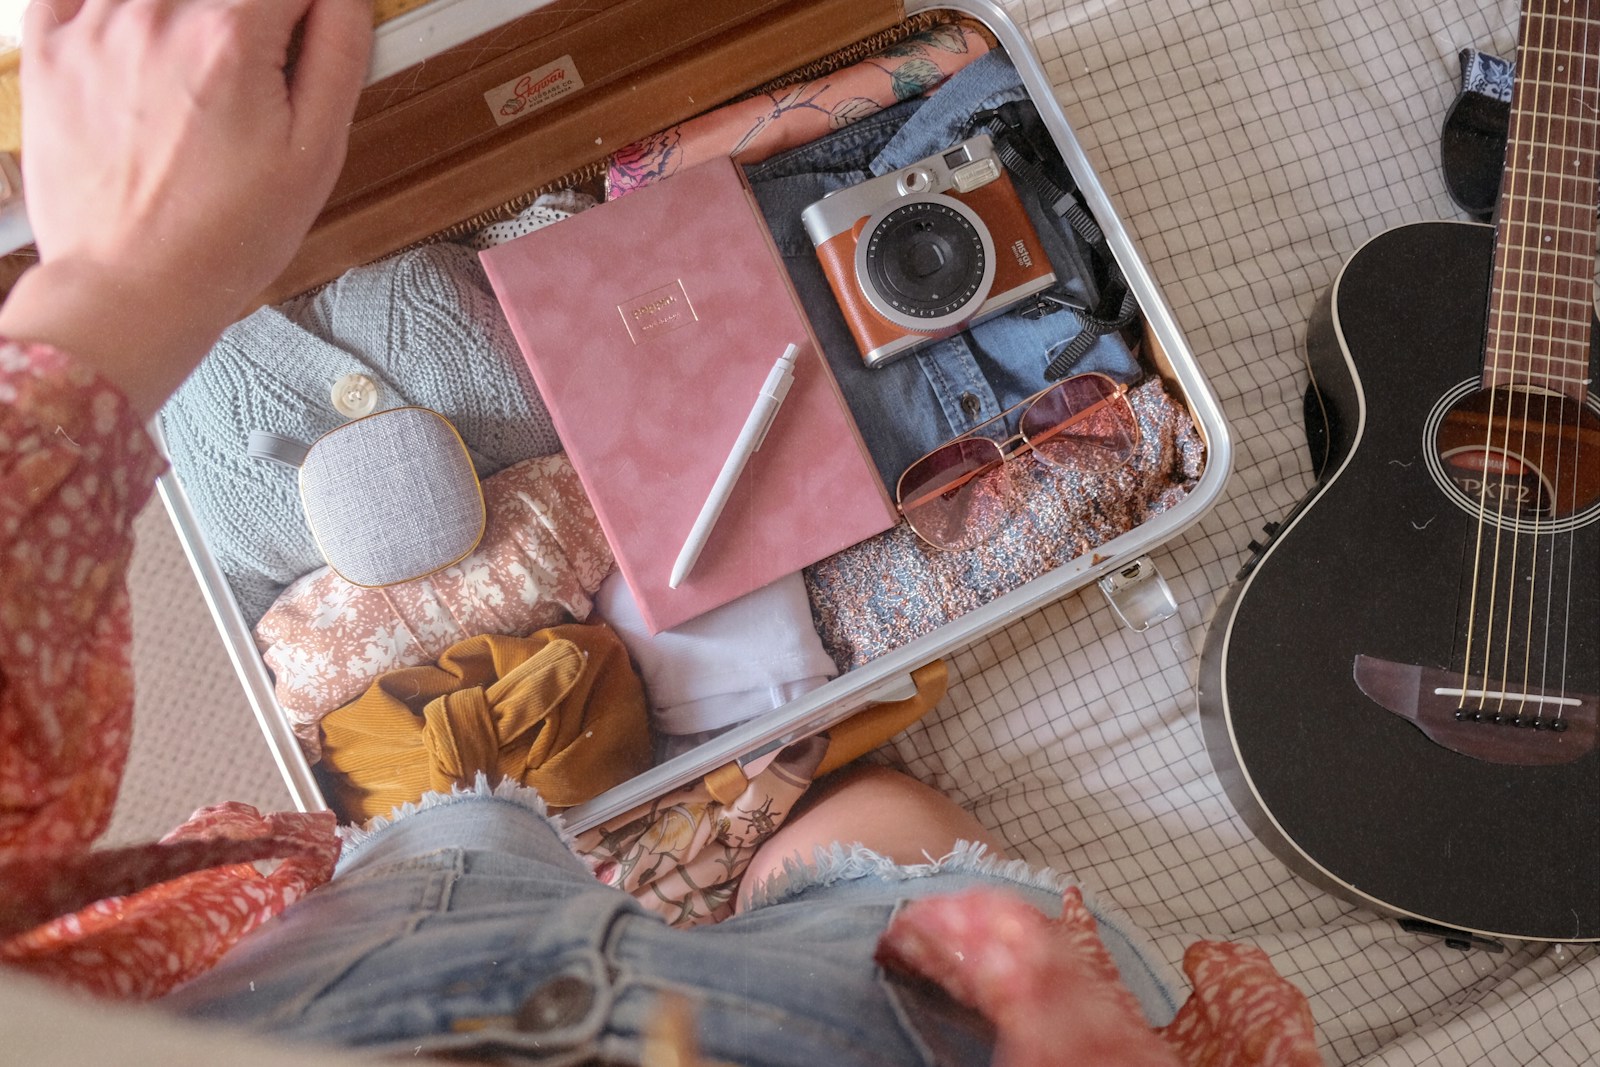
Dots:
{"x": 884, "y": 592}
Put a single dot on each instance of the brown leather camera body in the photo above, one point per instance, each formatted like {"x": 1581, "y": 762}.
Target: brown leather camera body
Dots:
{"x": 1021, "y": 269}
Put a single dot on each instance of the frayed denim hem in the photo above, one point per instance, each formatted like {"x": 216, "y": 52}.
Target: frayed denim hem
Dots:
{"x": 507, "y": 791}
{"x": 838, "y": 862}
{"x": 1153, "y": 978}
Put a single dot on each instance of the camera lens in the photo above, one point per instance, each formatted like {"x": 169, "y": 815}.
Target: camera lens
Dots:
{"x": 925, "y": 259}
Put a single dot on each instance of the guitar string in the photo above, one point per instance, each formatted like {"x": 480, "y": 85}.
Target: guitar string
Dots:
{"x": 1573, "y": 185}
{"x": 1588, "y": 104}
{"x": 1550, "y": 35}
{"x": 1560, "y": 295}
{"x": 1574, "y": 192}
{"x": 1574, "y": 197}
{"x": 1546, "y": 275}
{"x": 1553, "y": 267}
{"x": 1526, "y": 84}
{"x": 1526, "y": 341}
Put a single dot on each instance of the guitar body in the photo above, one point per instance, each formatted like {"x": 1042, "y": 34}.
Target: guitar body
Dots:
{"x": 1490, "y": 827}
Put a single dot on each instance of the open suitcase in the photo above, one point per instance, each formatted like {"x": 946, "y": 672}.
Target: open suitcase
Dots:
{"x": 429, "y": 159}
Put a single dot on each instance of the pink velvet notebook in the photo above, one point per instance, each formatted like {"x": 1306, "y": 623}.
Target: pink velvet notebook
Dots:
{"x": 650, "y": 324}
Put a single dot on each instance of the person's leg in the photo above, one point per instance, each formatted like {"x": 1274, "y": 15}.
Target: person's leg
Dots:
{"x": 890, "y": 813}
{"x": 868, "y": 834}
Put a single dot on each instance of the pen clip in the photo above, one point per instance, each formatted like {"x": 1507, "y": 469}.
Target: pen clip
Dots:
{"x": 777, "y": 386}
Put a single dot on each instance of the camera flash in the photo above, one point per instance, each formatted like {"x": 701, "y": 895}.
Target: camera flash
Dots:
{"x": 978, "y": 173}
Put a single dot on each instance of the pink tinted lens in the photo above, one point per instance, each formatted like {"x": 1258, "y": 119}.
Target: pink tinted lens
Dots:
{"x": 955, "y": 496}
{"x": 1084, "y": 422}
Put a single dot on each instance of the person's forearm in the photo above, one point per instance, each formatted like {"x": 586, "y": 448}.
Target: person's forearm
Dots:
{"x": 75, "y": 466}
{"x": 174, "y": 159}
{"x": 126, "y": 327}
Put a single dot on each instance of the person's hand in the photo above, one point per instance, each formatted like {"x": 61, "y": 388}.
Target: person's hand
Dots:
{"x": 1056, "y": 999}
{"x": 174, "y": 154}
{"x": 1049, "y": 987}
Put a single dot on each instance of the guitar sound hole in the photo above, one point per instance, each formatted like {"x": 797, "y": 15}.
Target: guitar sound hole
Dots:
{"x": 1519, "y": 457}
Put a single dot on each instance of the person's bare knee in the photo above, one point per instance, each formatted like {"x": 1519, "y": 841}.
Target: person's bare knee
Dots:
{"x": 884, "y": 810}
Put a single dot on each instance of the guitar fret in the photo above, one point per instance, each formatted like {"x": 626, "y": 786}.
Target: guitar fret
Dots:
{"x": 1543, "y": 234}
{"x": 1567, "y": 369}
{"x": 1586, "y": 299}
{"x": 1554, "y": 227}
{"x": 1534, "y": 273}
{"x": 1505, "y": 350}
{"x": 1519, "y": 161}
{"x": 1555, "y": 187}
{"x": 1540, "y": 304}
{"x": 1544, "y": 83}
{"x": 1530, "y": 172}
{"x": 1582, "y": 232}
{"x": 1517, "y": 354}
{"x": 1560, "y": 383}
{"x": 1544, "y": 316}
{"x": 1544, "y": 328}
{"x": 1570, "y": 370}
{"x": 1555, "y": 200}
{"x": 1537, "y": 271}
{"x": 1505, "y": 361}
{"x": 1512, "y": 342}
{"x": 1562, "y": 53}
{"x": 1569, "y": 264}
{"x": 1492, "y": 377}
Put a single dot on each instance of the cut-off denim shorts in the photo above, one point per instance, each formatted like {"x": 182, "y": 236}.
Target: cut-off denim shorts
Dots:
{"x": 467, "y": 927}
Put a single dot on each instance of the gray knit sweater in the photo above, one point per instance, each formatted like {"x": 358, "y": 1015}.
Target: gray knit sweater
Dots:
{"x": 423, "y": 325}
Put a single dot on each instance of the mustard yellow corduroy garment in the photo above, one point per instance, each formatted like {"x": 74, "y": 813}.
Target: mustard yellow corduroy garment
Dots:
{"x": 561, "y": 710}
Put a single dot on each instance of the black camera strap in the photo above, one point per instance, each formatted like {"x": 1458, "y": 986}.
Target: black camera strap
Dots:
{"x": 1024, "y": 146}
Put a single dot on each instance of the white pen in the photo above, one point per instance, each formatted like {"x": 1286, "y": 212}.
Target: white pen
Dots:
{"x": 767, "y": 403}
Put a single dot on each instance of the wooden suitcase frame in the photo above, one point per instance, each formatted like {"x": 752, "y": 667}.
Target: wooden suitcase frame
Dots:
{"x": 427, "y": 160}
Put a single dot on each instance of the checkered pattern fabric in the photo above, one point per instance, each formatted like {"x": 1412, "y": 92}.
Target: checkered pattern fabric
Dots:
{"x": 1251, "y": 146}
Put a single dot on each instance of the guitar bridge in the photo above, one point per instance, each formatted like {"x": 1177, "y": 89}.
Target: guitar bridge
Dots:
{"x": 1521, "y": 725}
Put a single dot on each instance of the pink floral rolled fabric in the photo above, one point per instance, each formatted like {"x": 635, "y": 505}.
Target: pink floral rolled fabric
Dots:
{"x": 765, "y": 124}
{"x": 541, "y": 557}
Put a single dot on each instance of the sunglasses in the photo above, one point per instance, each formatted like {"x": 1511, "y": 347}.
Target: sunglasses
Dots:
{"x": 1084, "y": 423}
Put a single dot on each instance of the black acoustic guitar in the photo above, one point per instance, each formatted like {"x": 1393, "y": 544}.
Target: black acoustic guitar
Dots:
{"x": 1400, "y": 692}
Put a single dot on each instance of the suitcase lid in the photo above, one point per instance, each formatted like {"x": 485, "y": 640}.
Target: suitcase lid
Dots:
{"x": 457, "y": 123}
{"x": 469, "y": 125}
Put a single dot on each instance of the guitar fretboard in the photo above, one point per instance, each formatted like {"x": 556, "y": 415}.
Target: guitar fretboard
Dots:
{"x": 1544, "y": 263}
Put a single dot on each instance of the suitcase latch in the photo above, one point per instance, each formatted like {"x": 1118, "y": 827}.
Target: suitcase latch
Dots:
{"x": 1139, "y": 595}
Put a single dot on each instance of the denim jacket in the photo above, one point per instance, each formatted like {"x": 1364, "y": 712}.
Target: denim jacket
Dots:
{"x": 946, "y": 387}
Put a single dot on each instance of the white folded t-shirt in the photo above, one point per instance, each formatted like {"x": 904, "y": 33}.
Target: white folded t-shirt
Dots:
{"x": 730, "y": 664}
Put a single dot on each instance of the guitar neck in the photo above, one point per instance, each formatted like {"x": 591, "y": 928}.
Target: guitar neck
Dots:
{"x": 1542, "y": 291}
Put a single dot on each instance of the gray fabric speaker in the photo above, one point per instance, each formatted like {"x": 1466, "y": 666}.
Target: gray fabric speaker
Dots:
{"x": 389, "y": 497}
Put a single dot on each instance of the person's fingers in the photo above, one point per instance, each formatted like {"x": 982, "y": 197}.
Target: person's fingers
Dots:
{"x": 42, "y": 16}
{"x": 330, "y": 70}
{"x": 270, "y": 22}
{"x": 332, "y": 67}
